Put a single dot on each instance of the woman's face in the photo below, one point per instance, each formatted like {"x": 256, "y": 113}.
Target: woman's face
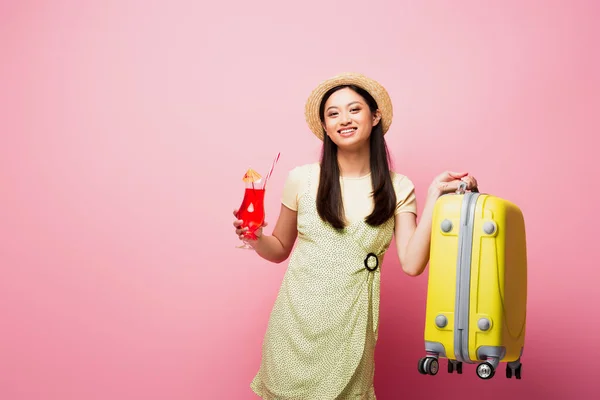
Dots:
{"x": 348, "y": 121}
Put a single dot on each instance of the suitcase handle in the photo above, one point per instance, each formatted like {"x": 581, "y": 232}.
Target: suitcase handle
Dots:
{"x": 463, "y": 186}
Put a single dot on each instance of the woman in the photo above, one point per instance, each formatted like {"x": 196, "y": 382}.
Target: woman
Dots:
{"x": 344, "y": 211}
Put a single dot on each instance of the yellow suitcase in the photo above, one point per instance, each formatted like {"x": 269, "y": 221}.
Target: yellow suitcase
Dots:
{"x": 477, "y": 285}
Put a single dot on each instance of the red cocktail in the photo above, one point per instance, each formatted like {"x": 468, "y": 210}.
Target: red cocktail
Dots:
{"x": 252, "y": 210}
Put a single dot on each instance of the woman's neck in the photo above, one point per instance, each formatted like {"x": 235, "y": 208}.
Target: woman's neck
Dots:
{"x": 354, "y": 164}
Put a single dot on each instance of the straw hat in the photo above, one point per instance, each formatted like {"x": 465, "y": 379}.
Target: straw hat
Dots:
{"x": 381, "y": 96}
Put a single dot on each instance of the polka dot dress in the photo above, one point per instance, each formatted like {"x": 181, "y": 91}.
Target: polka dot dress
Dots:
{"x": 321, "y": 334}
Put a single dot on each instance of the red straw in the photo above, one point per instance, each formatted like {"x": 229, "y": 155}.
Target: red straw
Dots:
{"x": 271, "y": 170}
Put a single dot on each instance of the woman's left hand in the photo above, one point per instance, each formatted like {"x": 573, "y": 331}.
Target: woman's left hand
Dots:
{"x": 449, "y": 181}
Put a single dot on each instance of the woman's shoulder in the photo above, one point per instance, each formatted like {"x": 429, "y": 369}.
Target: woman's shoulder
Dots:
{"x": 405, "y": 193}
{"x": 304, "y": 170}
{"x": 400, "y": 179}
{"x": 297, "y": 183}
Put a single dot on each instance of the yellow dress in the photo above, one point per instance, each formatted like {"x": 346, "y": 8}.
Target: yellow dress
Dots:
{"x": 321, "y": 335}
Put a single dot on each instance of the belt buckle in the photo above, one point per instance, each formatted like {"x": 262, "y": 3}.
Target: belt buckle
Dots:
{"x": 366, "y": 262}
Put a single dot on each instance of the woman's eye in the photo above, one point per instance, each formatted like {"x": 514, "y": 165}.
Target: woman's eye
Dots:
{"x": 354, "y": 109}
{"x": 333, "y": 114}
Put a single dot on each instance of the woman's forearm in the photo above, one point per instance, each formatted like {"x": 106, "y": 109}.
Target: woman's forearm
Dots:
{"x": 270, "y": 248}
{"x": 417, "y": 249}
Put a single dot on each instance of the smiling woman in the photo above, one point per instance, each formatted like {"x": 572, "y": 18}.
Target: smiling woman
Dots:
{"x": 344, "y": 211}
{"x": 346, "y": 110}
{"x": 353, "y": 146}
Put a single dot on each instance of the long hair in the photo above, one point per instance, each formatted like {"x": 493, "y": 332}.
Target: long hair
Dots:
{"x": 329, "y": 195}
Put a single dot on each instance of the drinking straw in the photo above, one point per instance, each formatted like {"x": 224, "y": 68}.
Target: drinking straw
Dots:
{"x": 271, "y": 170}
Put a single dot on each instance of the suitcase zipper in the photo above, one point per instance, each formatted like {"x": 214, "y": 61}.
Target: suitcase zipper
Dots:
{"x": 463, "y": 277}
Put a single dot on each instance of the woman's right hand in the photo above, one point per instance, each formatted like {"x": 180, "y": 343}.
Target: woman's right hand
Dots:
{"x": 239, "y": 230}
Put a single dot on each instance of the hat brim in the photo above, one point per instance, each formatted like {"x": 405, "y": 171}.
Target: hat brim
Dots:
{"x": 375, "y": 89}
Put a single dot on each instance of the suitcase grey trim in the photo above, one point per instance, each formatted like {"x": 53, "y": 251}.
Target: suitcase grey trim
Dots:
{"x": 484, "y": 352}
{"x": 463, "y": 277}
{"x": 493, "y": 354}
{"x": 435, "y": 348}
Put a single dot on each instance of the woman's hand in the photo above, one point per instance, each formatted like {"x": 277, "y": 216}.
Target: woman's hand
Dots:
{"x": 449, "y": 181}
{"x": 237, "y": 223}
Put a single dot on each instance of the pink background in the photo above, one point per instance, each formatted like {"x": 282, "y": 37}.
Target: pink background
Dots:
{"x": 121, "y": 119}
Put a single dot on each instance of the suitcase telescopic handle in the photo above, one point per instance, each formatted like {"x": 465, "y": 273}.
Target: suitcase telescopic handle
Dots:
{"x": 463, "y": 186}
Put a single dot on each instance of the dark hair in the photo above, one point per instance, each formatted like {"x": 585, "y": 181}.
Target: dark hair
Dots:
{"x": 329, "y": 196}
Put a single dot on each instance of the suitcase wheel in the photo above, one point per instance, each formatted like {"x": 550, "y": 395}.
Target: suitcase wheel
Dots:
{"x": 429, "y": 366}
{"x": 421, "y": 364}
{"x": 485, "y": 370}
{"x": 510, "y": 369}
{"x": 454, "y": 366}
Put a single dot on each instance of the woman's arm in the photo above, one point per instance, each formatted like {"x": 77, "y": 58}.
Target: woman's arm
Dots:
{"x": 412, "y": 239}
